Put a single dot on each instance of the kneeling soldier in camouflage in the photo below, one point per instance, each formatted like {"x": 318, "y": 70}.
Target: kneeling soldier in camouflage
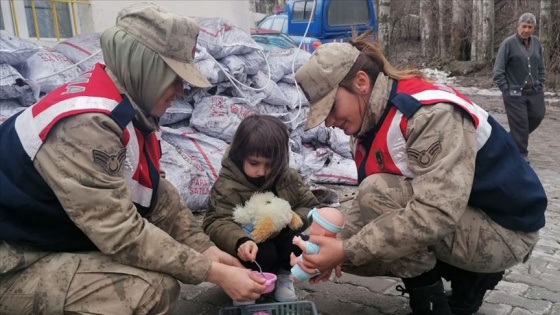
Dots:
{"x": 443, "y": 190}
{"x": 87, "y": 224}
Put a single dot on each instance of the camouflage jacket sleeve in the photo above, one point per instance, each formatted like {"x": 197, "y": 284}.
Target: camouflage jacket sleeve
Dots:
{"x": 99, "y": 202}
{"x": 182, "y": 226}
{"x": 442, "y": 185}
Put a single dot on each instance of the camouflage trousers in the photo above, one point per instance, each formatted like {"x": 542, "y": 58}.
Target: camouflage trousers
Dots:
{"x": 478, "y": 244}
{"x": 36, "y": 282}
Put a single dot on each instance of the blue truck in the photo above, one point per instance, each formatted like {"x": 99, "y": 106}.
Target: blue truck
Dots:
{"x": 332, "y": 21}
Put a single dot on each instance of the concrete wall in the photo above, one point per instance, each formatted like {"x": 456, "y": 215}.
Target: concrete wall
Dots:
{"x": 101, "y": 14}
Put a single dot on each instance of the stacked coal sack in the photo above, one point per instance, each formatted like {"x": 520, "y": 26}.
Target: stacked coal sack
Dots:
{"x": 28, "y": 71}
{"x": 245, "y": 80}
{"x": 16, "y": 91}
{"x": 199, "y": 126}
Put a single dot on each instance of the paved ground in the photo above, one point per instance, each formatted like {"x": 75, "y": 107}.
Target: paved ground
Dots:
{"x": 532, "y": 288}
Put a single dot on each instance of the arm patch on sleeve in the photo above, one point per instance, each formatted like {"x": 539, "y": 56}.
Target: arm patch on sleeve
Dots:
{"x": 425, "y": 157}
{"x": 112, "y": 163}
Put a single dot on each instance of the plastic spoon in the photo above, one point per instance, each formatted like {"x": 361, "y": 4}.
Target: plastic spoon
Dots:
{"x": 260, "y": 269}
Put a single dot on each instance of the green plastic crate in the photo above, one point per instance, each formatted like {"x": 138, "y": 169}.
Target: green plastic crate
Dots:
{"x": 284, "y": 308}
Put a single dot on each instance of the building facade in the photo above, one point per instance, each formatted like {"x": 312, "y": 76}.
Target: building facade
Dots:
{"x": 52, "y": 20}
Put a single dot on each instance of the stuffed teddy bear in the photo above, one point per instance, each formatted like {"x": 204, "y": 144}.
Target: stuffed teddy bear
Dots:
{"x": 264, "y": 215}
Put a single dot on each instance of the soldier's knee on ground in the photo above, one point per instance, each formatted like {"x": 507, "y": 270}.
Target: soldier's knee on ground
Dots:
{"x": 160, "y": 297}
{"x": 122, "y": 290}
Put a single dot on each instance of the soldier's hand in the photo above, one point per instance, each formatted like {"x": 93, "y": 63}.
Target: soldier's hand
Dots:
{"x": 321, "y": 277}
{"x": 331, "y": 254}
{"x": 218, "y": 255}
{"x": 248, "y": 251}
{"x": 239, "y": 284}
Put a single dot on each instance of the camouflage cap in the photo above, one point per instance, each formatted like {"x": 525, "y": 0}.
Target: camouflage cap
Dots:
{"x": 320, "y": 76}
{"x": 172, "y": 36}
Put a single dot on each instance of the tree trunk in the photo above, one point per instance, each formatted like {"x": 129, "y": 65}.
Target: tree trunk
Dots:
{"x": 487, "y": 44}
{"x": 476, "y": 30}
{"x": 426, "y": 31}
{"x": 554, "y": 64}
{"x": 459, "y": 35}
{"x": 545, "y": 29}
{"x": 376, "y": 6}
{"x": 442, "y": 32}
{"x": 384, "y": 25}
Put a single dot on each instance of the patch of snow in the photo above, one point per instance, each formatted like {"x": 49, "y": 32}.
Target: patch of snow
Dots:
{"x": 477, "y": 91}
{"x": 549, "y": 97}
{"x": 439, "y": 76}
{"x": 442, "y": 77}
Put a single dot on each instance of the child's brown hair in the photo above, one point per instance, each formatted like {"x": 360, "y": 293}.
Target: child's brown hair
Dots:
{"x": 262, "y": 136}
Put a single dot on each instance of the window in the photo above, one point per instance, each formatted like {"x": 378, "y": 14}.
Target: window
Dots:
{"x": 4, "y": 12}
{"x": 301, "y": 11}
{"x": 347, "y": 12}
{"x": 45, "y": 19}
{"x": 273, "y": 41}
{"x": 267, "y": 23}
{"x": 17, "y": 18}
{"x": 278, "y": 24}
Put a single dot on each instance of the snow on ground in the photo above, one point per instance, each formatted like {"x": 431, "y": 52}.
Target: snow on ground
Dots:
{"x": 439, "y": 76}
{"x": 443, "y": 77}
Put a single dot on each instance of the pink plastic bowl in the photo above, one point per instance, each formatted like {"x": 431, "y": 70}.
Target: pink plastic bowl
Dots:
{"x": 270, "y": 282}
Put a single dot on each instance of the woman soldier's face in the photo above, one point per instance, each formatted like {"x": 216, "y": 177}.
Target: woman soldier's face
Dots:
{"x": 173, "y": 91}
{"x": 348, "y": 110}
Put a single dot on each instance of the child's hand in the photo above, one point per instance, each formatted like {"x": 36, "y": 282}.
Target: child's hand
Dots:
{"x": 248, "y": 251}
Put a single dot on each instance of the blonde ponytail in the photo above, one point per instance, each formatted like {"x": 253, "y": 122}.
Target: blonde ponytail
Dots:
{"x": 370, "y": 49}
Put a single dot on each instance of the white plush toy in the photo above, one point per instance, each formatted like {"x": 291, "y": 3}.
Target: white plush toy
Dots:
{"x": 264, "y": 214}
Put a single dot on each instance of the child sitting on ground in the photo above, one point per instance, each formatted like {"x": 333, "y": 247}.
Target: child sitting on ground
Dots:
{"x": 258, "y": 161}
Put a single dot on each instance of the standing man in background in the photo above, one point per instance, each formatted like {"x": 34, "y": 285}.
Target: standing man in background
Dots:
{"x": 520, "y": 75}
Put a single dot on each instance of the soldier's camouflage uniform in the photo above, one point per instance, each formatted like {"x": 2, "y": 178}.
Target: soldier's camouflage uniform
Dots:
{"x": 139, "y": 260}
{"x": 428, "y": 217}
{"x": 144, "y": 254}
{"x": 398, "y": 226}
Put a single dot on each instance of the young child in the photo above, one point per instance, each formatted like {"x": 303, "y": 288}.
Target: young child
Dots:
{"x": 258, "y": 161}
{"x": 326, "y": 222}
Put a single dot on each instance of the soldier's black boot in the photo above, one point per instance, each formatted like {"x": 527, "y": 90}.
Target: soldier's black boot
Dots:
{"x": 468, "y": 288}
{"x": 426, "y": 299}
